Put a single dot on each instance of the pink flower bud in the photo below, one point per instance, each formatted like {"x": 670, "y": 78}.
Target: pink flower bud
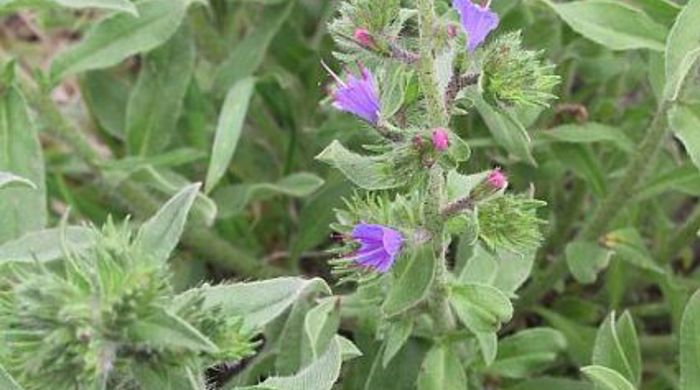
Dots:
{"x": 364, "y": 38}
{"x": 497, "y": 179}
{"x": 441, "y": 140}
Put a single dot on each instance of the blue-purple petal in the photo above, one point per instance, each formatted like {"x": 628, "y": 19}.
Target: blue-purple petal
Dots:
{"x": 359, "y": 96}
{"x": 379, "y": 246}
{"x": 477, "y": 21}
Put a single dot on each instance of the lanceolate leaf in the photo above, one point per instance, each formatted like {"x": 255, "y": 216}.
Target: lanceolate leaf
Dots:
{"x": 257, "y": 303}
{"x": 690, "y": 344}
{"x": 228, "y": 130}
{"x": 617, "y": 347}
{"x": 411, "y": 286}
{"x": 506, "y": 131}
{"x": 370, "y": 173}
{"x": 682, "y": 48}
{"x": 160, "y": 234}
{"x": 167, "y": 330}
{"x": 120, "y": 36}
{"x": 22, "y": 209}
{"x": 154, "y": 106}
{"x": 613, "y": 24}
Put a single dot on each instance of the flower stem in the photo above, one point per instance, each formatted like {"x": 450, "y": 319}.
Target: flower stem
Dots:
{"x": 610, "y": 206}
{"x": 438, "y": 304}
{"x": 437, "y": 112}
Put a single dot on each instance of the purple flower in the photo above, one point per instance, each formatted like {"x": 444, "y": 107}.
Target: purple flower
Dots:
{"x": 357, "y": 95}
{"x": 379, "y": 246}
{"x": 477, "y": 21}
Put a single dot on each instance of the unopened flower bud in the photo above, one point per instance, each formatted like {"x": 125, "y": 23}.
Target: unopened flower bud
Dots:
{"x": 364, "y": 38}
{"x": 441, "y": 140}
{"x": 497, "y": 180}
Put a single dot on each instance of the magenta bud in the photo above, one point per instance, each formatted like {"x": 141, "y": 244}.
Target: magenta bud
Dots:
{"x": 497, "y": 179}
{"x": 364, "y": 38}
{"x": 441, "y": 139}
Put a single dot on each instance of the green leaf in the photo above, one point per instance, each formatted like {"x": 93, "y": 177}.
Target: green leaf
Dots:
{"x": 612, "y": 24}
{"x": 321, "y": 324}
{"x": 690, "y": 344}
{"x": 107, "y": 96}
{"x": 585, "y": 259}
{"x": 348, "y": 349}
{"x": 9, "y": 180}
{"x": 480, "y": 307}
{"x": 411, "y": 286}
{"x": 114, "y": 5}
{"x": 160, "y": 234}
{"x": 257, "y": 303}
{"x": 488, "y": 345}
{"x": 682, "y": 48}
{"x": 319, "y": 375}
{"x": 228, "y": 130}
{"x": 232, "y": 200}
{"x": 370, "y": 173}
{"x": 589, "y": 132}
{"x": 628, "y": 244}
{"x": 120, "y": 36}
{"x": 6, "y": 381}
{"x": 442, "y": 370}
{"x": 397, "y": 335}
{"x": 292, "y": 344}
{"x": 166, "y": 330}
{"x": 22, "y": 208}
{"x": 506, "y": 131}
{"x": 394, "y": 85}
{"x": 502, "y": 269}
{"x": 617, "y": 347}
{"x": 249, "y": 53}
{"x": 685, "y": 123}
{"x": 46, "y": 245}
{"x": 606, "y": 379}
{"x": 156, "y": 100}
{"x": 527, "y": 352}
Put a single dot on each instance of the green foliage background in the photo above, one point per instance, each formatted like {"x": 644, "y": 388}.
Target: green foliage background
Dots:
{"x": 105, "y": 113}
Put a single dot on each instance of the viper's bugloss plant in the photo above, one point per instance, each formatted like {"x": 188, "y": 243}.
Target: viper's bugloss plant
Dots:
{"x": 504, "y": 195}
{"x": 399, "y": 235}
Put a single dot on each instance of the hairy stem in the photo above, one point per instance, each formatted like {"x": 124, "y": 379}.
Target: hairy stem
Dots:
{"x": 438, "y": 304}
{"x": 437, "y": 113}
{"x": 196, "y": 237}
{"x": 610, "y": 206}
